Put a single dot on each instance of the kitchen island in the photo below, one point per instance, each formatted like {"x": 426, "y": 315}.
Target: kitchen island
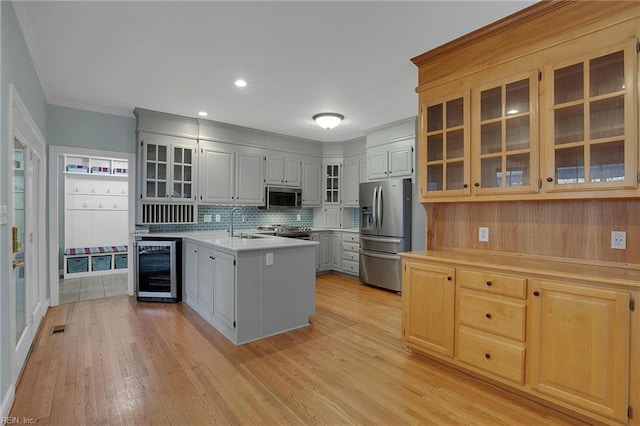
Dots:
{"x": 249, "y": 288}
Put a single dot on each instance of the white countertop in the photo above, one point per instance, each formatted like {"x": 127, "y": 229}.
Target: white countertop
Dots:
{"x": 350, "y": 230}
{"x": 220, "y": 240}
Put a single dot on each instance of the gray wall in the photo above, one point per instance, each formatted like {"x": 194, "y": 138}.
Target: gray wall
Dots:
{"x": 91, "y": 130}
{"x": 17, "y": 69}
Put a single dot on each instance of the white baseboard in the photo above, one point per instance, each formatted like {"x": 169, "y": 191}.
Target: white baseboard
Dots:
{"x": 7, "y": 401}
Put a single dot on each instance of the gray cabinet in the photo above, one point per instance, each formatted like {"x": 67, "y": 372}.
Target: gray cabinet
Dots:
{"x": 351, "y": 182}
{"x": 311, "y": 192}
{"x": 249, "y": 181}
{"x": 336, "y": 251}
{"x": 391, "y": 160}
{"x": 206, "y": 272}
{"x": 191, "y": 272}
{"x": 217, "y": 169}
{"x": 283, "y": 171}
{"x": 168, "y": 167}
{"x": 224, "y": 289}
{"x": 325, "y": 251}
{"x": 331, "y": 183}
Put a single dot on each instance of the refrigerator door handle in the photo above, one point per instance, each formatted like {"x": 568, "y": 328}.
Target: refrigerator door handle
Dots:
{"x": 380, "y": 218}
{"x": 379, "y": 255}
{"x": 381, "y": 240}
{"x": 375, "y": 207}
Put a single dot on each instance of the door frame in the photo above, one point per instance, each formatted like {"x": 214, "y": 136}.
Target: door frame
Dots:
{"x": 22, "y": 126}
{"x": 56, "y": 167}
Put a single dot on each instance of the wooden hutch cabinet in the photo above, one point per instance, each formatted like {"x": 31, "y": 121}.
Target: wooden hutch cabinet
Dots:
{"x": 529, "y": 127}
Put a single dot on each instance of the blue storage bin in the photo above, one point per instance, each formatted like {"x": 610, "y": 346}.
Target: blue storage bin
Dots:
{"x": 77, "y": 264}
{"x": 120, "y": 261}
{"x": 100, "y": 263}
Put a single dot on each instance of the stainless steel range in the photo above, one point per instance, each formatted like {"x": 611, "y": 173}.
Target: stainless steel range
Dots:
{"x": 287, "y": 231}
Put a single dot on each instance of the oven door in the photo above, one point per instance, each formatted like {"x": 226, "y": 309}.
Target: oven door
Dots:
{"x": 156, "y": 268}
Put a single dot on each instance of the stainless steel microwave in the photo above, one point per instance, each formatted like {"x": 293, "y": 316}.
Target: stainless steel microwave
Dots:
{"x": 282, "y": 198}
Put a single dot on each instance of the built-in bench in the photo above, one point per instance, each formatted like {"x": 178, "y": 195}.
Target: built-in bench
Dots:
{"x": 102, "y": 260}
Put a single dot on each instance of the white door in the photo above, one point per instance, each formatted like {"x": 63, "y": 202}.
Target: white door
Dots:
{"x": 27, "y": 295}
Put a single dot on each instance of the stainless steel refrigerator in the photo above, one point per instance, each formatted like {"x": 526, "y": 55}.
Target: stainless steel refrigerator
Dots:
{"x": 385, "y": 231}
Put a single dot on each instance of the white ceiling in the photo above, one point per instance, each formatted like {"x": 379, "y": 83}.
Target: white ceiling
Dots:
{"x": 299, "y": 57}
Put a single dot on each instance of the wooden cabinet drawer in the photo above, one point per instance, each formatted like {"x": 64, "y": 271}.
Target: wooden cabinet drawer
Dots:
{"x": 501, "y": 317}
{"x": 350, "y": 247}
{"x": 351, "y": 237}
{"x": 507, "y": 285}
{"x": 350, "y": 267}
{"x": 494, "y": 356}
{"x": 351, "y": 255}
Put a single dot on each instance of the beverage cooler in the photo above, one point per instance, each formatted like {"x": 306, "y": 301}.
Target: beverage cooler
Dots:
{"x": 158, "y": 269}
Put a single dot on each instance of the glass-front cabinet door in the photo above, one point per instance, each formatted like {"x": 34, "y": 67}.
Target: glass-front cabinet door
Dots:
{"x": 444, "y": 151}
{"x": 168, "y": 168}
{"x": 591, "y": 135}
{"x": 505, "y": 136}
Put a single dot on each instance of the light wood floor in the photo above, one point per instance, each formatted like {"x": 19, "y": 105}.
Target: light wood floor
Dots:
{"x": 124, "y": 362}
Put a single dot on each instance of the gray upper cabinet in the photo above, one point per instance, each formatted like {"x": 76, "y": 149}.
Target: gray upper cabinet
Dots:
{"x": 217, "y": 170}
{"x": 391, "y": 160}
{"x": 169, "y": 168}
{"x": 311, "y": 192}
{"x": 351, "y": 181}
{"x": 283, "y": 171}
{"x": 249, "y": 178}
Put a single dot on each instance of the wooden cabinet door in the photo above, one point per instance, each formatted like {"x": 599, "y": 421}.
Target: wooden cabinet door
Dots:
{"x": 428, "y": 294}
{"x": 249, "y": 179}
{"x": 217, "y": 171}
{"x": 444, "y": 134}
{"x": 191, "y": 272}
{"x": 311, "y": 184}
{"x": 224, "y": 289}
{"x": 206, "y": 274}
{"x": 580, "y": 346}
{"x": 591, "y": 119}
{"x": 505, "y": 135}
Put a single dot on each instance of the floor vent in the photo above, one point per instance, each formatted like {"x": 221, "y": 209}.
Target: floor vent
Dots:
{"x": 58, "y": 329}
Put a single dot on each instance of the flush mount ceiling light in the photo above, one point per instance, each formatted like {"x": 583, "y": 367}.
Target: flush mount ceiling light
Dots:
{"x": 240, "y": 83}
{"x": 328, "y": 120}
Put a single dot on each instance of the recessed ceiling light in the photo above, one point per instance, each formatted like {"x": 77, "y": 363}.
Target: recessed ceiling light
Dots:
{"x": 203, "y": 113}
{"x": 240, "y": 83}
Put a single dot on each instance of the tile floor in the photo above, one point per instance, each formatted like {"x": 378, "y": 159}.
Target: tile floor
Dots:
{"x": 75, "y": 289}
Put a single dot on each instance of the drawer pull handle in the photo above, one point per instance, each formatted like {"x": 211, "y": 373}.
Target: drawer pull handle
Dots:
{"x": 536, "y": 293}
{"x": 488, "y": 315}
{"x": 487, "y": 356}
{"x": 489, "y": 283}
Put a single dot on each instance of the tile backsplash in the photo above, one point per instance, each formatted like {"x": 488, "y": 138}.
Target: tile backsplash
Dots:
{"x": 246, "y": 218}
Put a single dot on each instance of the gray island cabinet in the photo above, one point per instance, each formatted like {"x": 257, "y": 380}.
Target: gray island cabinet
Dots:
{"x": 252, "y": 288}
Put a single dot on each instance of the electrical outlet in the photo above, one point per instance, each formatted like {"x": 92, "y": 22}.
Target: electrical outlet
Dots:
{"x": 217, "y": 218}
{"x": 298, "y": 218}
{"x": 268, "y": 259}
{"x": 207, "y": 218}
{"x": 619, "y": 240}
{"x": 483, "y": 234}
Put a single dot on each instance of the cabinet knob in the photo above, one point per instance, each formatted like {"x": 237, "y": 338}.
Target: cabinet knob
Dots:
{"x": 211, "y": 257}
{"x": 487, "y": 356}
{"x": 488, "y": 315}
{"x": 536, "y": 293}
{"x": 449, "y": 278}
{"x": 465, "y": 186}
{"x": 477, "y": 185}
{"x": 489, "y": 283}
{"x": 549, "y": 179}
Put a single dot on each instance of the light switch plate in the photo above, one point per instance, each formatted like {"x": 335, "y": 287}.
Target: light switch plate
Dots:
{"x": 483, "y": 234}
{"x": 207, "y": 218}
{"x": 268, "y": 259}
{"x": 298, "y": 217}
{"x": 217, "y": 218}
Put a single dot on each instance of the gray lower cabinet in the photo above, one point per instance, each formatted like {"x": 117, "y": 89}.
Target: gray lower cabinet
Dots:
{"x": 206, "y": 270}
{"x": 224, "y": 289}
{"x": 325, "y": 252}
{"x": 190, "y": 272}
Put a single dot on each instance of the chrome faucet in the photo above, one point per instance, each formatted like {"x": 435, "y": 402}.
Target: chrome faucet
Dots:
{"x": 233, "y": 210}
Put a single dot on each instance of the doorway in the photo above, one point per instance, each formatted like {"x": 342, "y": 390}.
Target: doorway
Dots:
{"x": 27, "y": 287}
